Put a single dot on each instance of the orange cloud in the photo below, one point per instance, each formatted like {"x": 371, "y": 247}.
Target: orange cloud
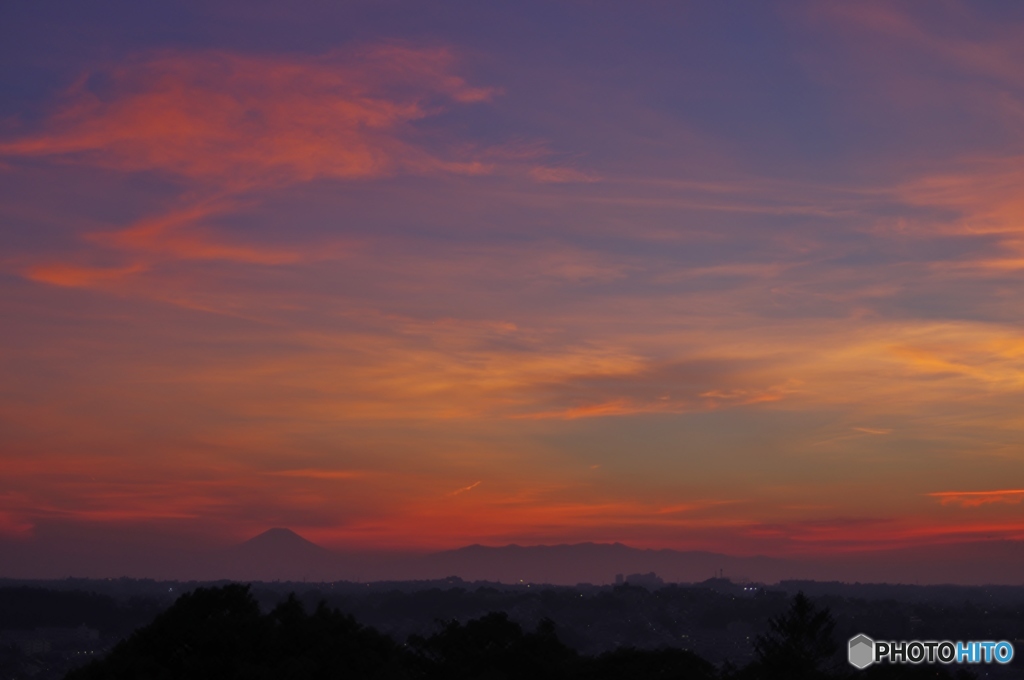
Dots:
{"x": 981, "y": 192}
{"x": 652, "y": 388}
{"x": 319, "y": 474}
{"x": 465, "y": 489}
{"x": 973, "y": 499}
{"x": 72, "y": 276}
{"x": 690, "y": 507}
{"x": 873, "y": 430}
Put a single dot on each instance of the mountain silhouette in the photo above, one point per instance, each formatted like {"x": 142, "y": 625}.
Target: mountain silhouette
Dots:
{"x": 280, "y": 540}
{"x": 279, "y": 554}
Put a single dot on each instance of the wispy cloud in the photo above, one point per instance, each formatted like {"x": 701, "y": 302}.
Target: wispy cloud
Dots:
{"x": 464, "y": 489}
{"x": 873, "y": 430}
{"x": 313, "y": 473}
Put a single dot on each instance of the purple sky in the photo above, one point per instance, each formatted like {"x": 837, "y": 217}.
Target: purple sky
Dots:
{"x": 741, "y": 277}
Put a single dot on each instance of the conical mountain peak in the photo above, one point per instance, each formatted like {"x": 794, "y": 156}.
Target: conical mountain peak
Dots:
{"x": 281, "y": 539}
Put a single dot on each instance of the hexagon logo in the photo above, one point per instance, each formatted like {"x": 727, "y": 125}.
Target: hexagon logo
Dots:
{"x": 861, "y": 651}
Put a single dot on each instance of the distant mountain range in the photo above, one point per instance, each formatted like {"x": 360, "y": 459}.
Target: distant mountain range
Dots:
{"x": 596, "y": 563}
{"x": 282, "y": 555}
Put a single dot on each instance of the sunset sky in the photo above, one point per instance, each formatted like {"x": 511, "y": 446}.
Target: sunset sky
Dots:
{"x": 744, "y": 277}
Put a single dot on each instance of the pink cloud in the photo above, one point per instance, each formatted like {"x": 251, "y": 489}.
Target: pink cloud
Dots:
{"x": 230, "y": 123}
{"x": 240, "y": 121}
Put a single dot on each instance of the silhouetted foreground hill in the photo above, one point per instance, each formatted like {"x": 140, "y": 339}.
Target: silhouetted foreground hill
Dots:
{"x": 220, "y": 633}
{"x": 27, "y": 608}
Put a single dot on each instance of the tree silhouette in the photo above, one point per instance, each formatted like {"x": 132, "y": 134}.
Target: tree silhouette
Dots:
{"x": 220, "y": 634}
{"x": 648, "y": 664}
{"x": 493, "y": 647}
{"x": 799, "y": 645}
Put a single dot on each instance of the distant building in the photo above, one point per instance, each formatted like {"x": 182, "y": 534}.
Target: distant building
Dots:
{"x": 650, "y": 580}
{"x": 619, "y": 580}
{"x": 722, "y": 585}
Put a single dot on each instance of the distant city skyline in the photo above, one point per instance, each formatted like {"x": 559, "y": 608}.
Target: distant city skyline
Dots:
{"x": 739, "y": 278}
